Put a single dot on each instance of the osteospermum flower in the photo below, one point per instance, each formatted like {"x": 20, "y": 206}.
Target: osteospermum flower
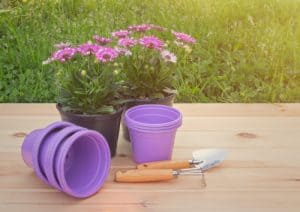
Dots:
{"x": 140, "y": 28}
{"x": 63, "y": 54}
{"x": 168, "y": 56}
{"x": 180, "y": 36}
{"x": 62, "y": 45}
{"x": 120, "y": 33}
{"x": 123, "y": 51}
{"x": 107, "y": 54}
{"x": 88, "y": 48}
{"x": 102, "y": 40}
{"x": 151, "y": 42}
{"x": 127, "y": 42}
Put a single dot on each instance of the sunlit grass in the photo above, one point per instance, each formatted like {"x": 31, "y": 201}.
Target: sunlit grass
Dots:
{"x": 248, "y": 50}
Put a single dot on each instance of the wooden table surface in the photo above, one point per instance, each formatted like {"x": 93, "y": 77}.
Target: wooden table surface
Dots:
{"x": 261, "y": 173}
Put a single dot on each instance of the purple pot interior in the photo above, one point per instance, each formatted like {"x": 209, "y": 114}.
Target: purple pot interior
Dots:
{"x": 82, "y": 163}
{"x": 153, "y": 117}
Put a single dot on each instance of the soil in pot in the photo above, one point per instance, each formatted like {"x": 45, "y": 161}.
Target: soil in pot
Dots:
{"x": 108, "y": 124}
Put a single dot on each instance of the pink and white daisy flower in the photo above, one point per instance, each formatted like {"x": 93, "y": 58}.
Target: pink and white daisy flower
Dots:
{"x": 168, "y": 56}
{"x": 180, "y": 36}
{"x": 140, "y": 28}
{"x": 107, "y": 54}
{"x": 127, "y": 42}
{"x": 151, "y": 42}
{"x": 64, "y": 54}
{"x": 88, "y": 48}
{"x": 121, "y": 33}
{"x": 102, "y": 40}
{"x": 123, "y": 51}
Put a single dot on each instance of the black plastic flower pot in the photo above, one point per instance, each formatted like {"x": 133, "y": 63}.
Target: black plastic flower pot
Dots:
{"x": 168, "y": 101}
{"x": 107, "y": 124}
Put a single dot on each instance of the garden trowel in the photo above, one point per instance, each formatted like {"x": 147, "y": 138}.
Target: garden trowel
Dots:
{"x": 203, "y": 159}
{"x": 167, "y": 170}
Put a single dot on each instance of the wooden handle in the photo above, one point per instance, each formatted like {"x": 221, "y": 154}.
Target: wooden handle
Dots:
{"x": 167, "y": 164}
{"x": 146, "y": 175}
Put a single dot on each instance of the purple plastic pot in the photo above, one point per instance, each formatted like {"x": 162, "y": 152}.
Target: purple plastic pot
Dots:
{"x": 167, "y": 100}
{"x": 152, "y": 130}
{"x": 70, "y": 158}
{"x": 48, "y": 153}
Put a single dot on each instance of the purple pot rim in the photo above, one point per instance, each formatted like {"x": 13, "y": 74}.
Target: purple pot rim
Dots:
{"x": 38, "y": 143}
{"x": 96, "y": 116}
{"x": 106, "y": 157}
{"x": 136, "y": 124}
{"x": 58, "y": 139}
{"x": 153, "y": 131}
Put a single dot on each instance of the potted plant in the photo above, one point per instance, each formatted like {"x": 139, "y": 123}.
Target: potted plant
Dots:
{"x": 150, "y": 71}
{"x": 89, "y": 84}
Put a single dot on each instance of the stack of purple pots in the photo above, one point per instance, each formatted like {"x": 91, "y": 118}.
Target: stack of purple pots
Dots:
{"x": 70, "y": 158}
{"x": 152, "y": 130}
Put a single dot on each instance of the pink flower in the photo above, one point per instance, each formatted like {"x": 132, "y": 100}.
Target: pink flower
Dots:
{"x": 102, "y": 40}
{"x": 140, "y": 28}
{"x": 123, "y": 51}
{"x": 106, "y": 54}
{"x": 127, "y": 42}
{"x": 120, "y": 34}
{"x": 168, "y": 56}
{"x": 63, "y": 54}
{"x": 180, "y": 36}
{"x": 62, "y": 45}
{"x": 151, "y": 42}
{"x": 88, "y": 48}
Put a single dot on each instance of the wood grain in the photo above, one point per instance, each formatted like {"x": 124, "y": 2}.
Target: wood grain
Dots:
{"x": 261, "y": 173}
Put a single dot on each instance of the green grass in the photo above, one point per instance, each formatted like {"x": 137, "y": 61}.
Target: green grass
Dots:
{"x": 249, "y": 50}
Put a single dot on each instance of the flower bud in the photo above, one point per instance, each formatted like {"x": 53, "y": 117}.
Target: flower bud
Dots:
{"x": 83, "y": 73}
{"x": 187, "y": 49}
{"x": 58, "y": 73}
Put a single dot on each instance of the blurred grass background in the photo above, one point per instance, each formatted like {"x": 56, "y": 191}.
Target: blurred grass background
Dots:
{"x": 248, "y": 49}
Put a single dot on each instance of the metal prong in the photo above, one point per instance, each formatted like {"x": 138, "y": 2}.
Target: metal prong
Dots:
{"x": 192, "y": 171}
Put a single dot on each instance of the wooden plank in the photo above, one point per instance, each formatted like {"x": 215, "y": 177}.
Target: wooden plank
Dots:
{"x": 195, "y": 139}
{"x": 189, "y": 123}
{"x": 234, "y": 110}
{"x": 226, "y": 177}
{"x": 194, "y": 109}
{"x": 194, "y": 200}
{"x": 134, "y": 208}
